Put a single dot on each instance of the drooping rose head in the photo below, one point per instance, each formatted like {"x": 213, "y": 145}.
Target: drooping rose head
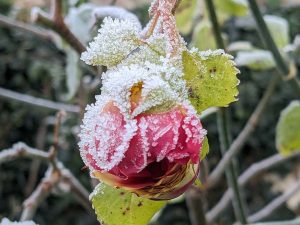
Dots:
{"x": 153, "y": 152}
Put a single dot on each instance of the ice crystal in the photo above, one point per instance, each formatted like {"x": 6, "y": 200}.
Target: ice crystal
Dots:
{"x": 153, "y": 48}
{"x": 115, "y": 40}
{"x": 101, "y": 122}
{"x": 116, "y": 12}
{"x": 155, "y": 91}
{"x": 209, "y": 53}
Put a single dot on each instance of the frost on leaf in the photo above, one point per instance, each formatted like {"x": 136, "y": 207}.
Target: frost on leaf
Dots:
{"x": 102, "y": 121}
{"x": 211, "y": 78}
{"x": 150, "y": 51}
{"x": 114, "y": 205}
{"x": 287, "y": 130}
{"x": 154, "y": 91}
{"x": 115, "y": 40}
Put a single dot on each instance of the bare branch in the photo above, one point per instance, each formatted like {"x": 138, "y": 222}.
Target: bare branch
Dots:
{"x": 55, "y": 22}
{"x": 42, "y": 191}
{"x": 37, "y": 31}
{"x": 22, "y": 150}
{"x": 78, "y": 189}
{"x": 55, "y": 174}
{"x": 275, "y": 204}
{"x": 194, "y": 203}
{"x": 289, "y": 222}
{"x": 249, "y": 174}
{"x": 239, "y": 142}
{"x": 56, "y": 10}
{"x": 59, "y": 116}
{"x": 38, "y": 101}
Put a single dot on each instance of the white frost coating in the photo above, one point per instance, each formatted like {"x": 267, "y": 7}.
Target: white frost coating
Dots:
{"x": 191, "y": 125}
{"x": 171, "y": 71}
{"x": 150, "y": 51}
{"x": 6, "y": 221}
{"x": 155, "y": 91}
{"x": 115, "y": 40}
{"x": 116, "y": 12}
{"x": 209, "y": 53}
{"x": 146, "y": 146}
{"x": 99, "y": 127}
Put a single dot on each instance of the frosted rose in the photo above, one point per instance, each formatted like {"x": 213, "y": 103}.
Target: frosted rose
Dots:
{"x": 155, "y": 154}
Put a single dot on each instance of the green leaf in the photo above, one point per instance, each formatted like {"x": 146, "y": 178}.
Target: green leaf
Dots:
{"x": 118, "y": 207}
{"x": 185, "y": 14}
{"x": 211, "y": 78}
{"x": 279, "y": 29}
{"x": 203, "y": 36}
{"x": 204, "y": 149}
{"x": 232, "y": 7}
{"x": 255, "y": 60}
{"x": 287, "y": 130}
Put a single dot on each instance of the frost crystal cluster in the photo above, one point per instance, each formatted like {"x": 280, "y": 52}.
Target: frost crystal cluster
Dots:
{"x": 142, "y": 134}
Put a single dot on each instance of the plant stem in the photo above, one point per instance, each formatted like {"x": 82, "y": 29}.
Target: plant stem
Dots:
{"x": 231, "y": 175}
{"x": 224, "y": 127}
{"x": 270, "y": 44}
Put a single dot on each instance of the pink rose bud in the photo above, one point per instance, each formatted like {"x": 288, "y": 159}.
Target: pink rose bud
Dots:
{"x": 155, "y": 154}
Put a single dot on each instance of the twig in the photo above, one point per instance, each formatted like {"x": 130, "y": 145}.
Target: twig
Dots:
{"x": 275, "y": 204}
{"x": 224, "y": 128}
{"x": 176, "y": 6}
{"x": 55, "y": 174}
{"x": 77, "y": 188}
{"x": 270, "y": 44}
{"x": 59, "y": 115}
{"x": 194, "y": 203}
{"x": 42, "y": 191}
{"x": 37, "y": 31}
{"x": 35, "y": 165}
{"x": 239, "y": 142}
{"x": 56, "y": 22}
{"x": 38, "y": 101}
{"x": 290, "y": 222}
{"x": 249, "y": 174}
{"x": 22, "y": 150}
{"x": 113, "y": 2}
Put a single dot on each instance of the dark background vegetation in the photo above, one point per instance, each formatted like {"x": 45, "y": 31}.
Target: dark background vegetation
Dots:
{"x": 35, "y": 67}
